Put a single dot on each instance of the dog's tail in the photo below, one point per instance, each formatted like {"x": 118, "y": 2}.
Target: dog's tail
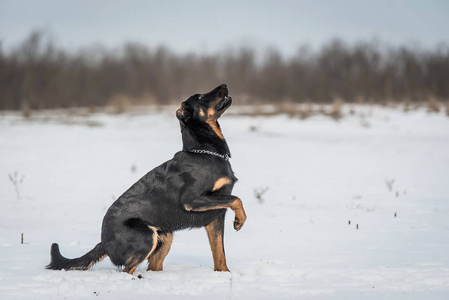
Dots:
{"x": 59, "y": 262}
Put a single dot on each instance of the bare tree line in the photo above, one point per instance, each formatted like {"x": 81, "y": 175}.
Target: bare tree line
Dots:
{"x": 37, "y": 74}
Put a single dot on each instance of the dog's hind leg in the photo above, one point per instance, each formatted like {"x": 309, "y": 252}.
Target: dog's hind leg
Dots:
{"x": 156, "y": 259}
{"x": 215, "y": 231}
{"x": 138, "y": 251}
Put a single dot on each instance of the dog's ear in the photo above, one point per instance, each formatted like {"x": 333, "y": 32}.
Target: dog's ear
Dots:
{"x": 183, "y": 115}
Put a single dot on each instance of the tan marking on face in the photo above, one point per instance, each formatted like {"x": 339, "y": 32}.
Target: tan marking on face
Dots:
{"x": 210, "y": 113}
{"x": 202, "y": 113}
{"x": 220, "y": 183}
{"x": 212, "y": 121}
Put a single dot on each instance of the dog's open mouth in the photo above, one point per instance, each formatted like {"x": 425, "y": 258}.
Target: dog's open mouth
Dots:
{"x": 224, "y": 102}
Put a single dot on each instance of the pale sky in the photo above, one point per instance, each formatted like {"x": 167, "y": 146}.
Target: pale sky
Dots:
{"x": 210, "y": 26}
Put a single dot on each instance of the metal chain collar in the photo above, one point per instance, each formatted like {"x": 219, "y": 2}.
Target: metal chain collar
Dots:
{"x": 223, "y": 156}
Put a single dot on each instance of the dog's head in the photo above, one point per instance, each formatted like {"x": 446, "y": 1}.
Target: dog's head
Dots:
{"x": 206, "y": 108}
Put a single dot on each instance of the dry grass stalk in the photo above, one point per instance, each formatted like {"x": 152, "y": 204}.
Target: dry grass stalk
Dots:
{"x": 26, "y": 110}
{"x": 120, "y": 103}
{"x": 337, "y": 106}
{"x": 433, "y": 105}
{"x": 305, "y": 112}
{"x": 288, "y": 108}
{"x": 407, "y": 104}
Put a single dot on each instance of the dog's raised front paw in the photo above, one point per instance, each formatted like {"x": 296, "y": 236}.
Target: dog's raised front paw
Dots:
{"x": 239, "y": 221}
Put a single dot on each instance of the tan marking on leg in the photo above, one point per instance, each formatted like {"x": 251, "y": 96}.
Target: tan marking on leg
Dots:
{"x": 240, "y": 215}
{"x": 137, "y": 263}
{"x": 156, "y": 260}
{"x": 130, "y": 272}
{"x": 212, "y": 121}
{"x": 216, "y": 246}
{"x": 203, "y": 209}
{"x": 155, "y": 240}
{"x": 220, "y": 183}
{"x": 236, "y": 206}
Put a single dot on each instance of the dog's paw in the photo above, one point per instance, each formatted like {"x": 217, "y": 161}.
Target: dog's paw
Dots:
{"x": 237, "y": 224}
{"x": 239, "y": 221}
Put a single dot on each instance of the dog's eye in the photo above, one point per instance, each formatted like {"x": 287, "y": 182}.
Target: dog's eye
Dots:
{"x": 200, "y": 96}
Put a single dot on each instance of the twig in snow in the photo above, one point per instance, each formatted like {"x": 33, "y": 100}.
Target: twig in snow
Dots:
{"x": 16, "y": 181}
{"x": 389, "y": 183}
{"x": 258, "y": 193}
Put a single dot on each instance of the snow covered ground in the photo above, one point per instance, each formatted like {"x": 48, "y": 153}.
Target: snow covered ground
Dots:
{"x": 355, "y": 209}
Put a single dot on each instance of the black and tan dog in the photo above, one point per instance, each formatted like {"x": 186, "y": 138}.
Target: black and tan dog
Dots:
{"x": 191, "y": 190}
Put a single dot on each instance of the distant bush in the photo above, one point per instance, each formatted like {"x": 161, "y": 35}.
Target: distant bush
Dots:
{"x": 37, "y": 74}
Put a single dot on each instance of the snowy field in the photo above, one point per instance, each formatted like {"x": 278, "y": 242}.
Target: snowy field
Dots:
{"x": 355, "y": 209}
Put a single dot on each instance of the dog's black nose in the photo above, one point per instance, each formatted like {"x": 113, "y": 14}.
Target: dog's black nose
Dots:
{"x": 224, "y": 85}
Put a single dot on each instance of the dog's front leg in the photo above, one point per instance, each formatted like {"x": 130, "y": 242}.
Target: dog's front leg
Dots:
{"x": 219, "y": 201}
{"x": 215, "y": 232}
